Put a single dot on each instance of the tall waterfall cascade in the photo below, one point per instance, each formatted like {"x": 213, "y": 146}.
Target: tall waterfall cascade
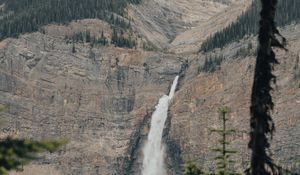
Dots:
{"x": 153, "y": 162}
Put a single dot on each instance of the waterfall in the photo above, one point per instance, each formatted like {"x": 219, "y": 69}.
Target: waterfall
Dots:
{"x": 153, "y": 162}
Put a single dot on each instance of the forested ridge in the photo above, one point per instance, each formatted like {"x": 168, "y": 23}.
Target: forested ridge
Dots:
{"x": 21, "y": 16}
{"x": 247, "y": 24}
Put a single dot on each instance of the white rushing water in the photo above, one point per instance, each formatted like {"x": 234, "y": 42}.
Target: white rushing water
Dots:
{"x": 153, "y": 162}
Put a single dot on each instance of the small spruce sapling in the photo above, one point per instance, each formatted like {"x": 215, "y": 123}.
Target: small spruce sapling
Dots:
{"x": 224, "y": 153}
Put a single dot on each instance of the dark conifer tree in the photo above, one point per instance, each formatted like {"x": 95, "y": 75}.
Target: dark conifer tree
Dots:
{"x": 87, "y": 36}
{"x": 262, "y": 125}
{"x": 191, "y": 168}
{"x": 73, "y": 48}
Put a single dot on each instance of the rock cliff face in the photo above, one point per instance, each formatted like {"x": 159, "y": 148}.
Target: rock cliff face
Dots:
{"x": 101, "y": 98}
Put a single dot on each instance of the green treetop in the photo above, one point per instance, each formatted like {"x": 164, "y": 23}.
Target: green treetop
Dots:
{"x": 223, "y": 159}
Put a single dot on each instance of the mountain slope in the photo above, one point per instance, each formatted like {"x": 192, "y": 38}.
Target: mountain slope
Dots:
{"x": 194, "y": 112}
{"x": 101, "y": 97}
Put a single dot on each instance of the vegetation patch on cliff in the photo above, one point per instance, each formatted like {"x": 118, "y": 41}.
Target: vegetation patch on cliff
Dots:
{"x": 21, "y": 16}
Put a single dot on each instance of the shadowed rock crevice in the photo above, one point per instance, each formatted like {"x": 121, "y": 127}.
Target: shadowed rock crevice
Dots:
{"x": 132, "y": 162}
{"x": 173, "y": 159}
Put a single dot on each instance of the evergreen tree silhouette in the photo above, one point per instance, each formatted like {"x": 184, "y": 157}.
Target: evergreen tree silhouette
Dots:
{"x": 261, "y": 122}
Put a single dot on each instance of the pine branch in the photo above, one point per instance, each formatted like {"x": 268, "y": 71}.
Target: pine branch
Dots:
{"x": 15, "y": 153}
